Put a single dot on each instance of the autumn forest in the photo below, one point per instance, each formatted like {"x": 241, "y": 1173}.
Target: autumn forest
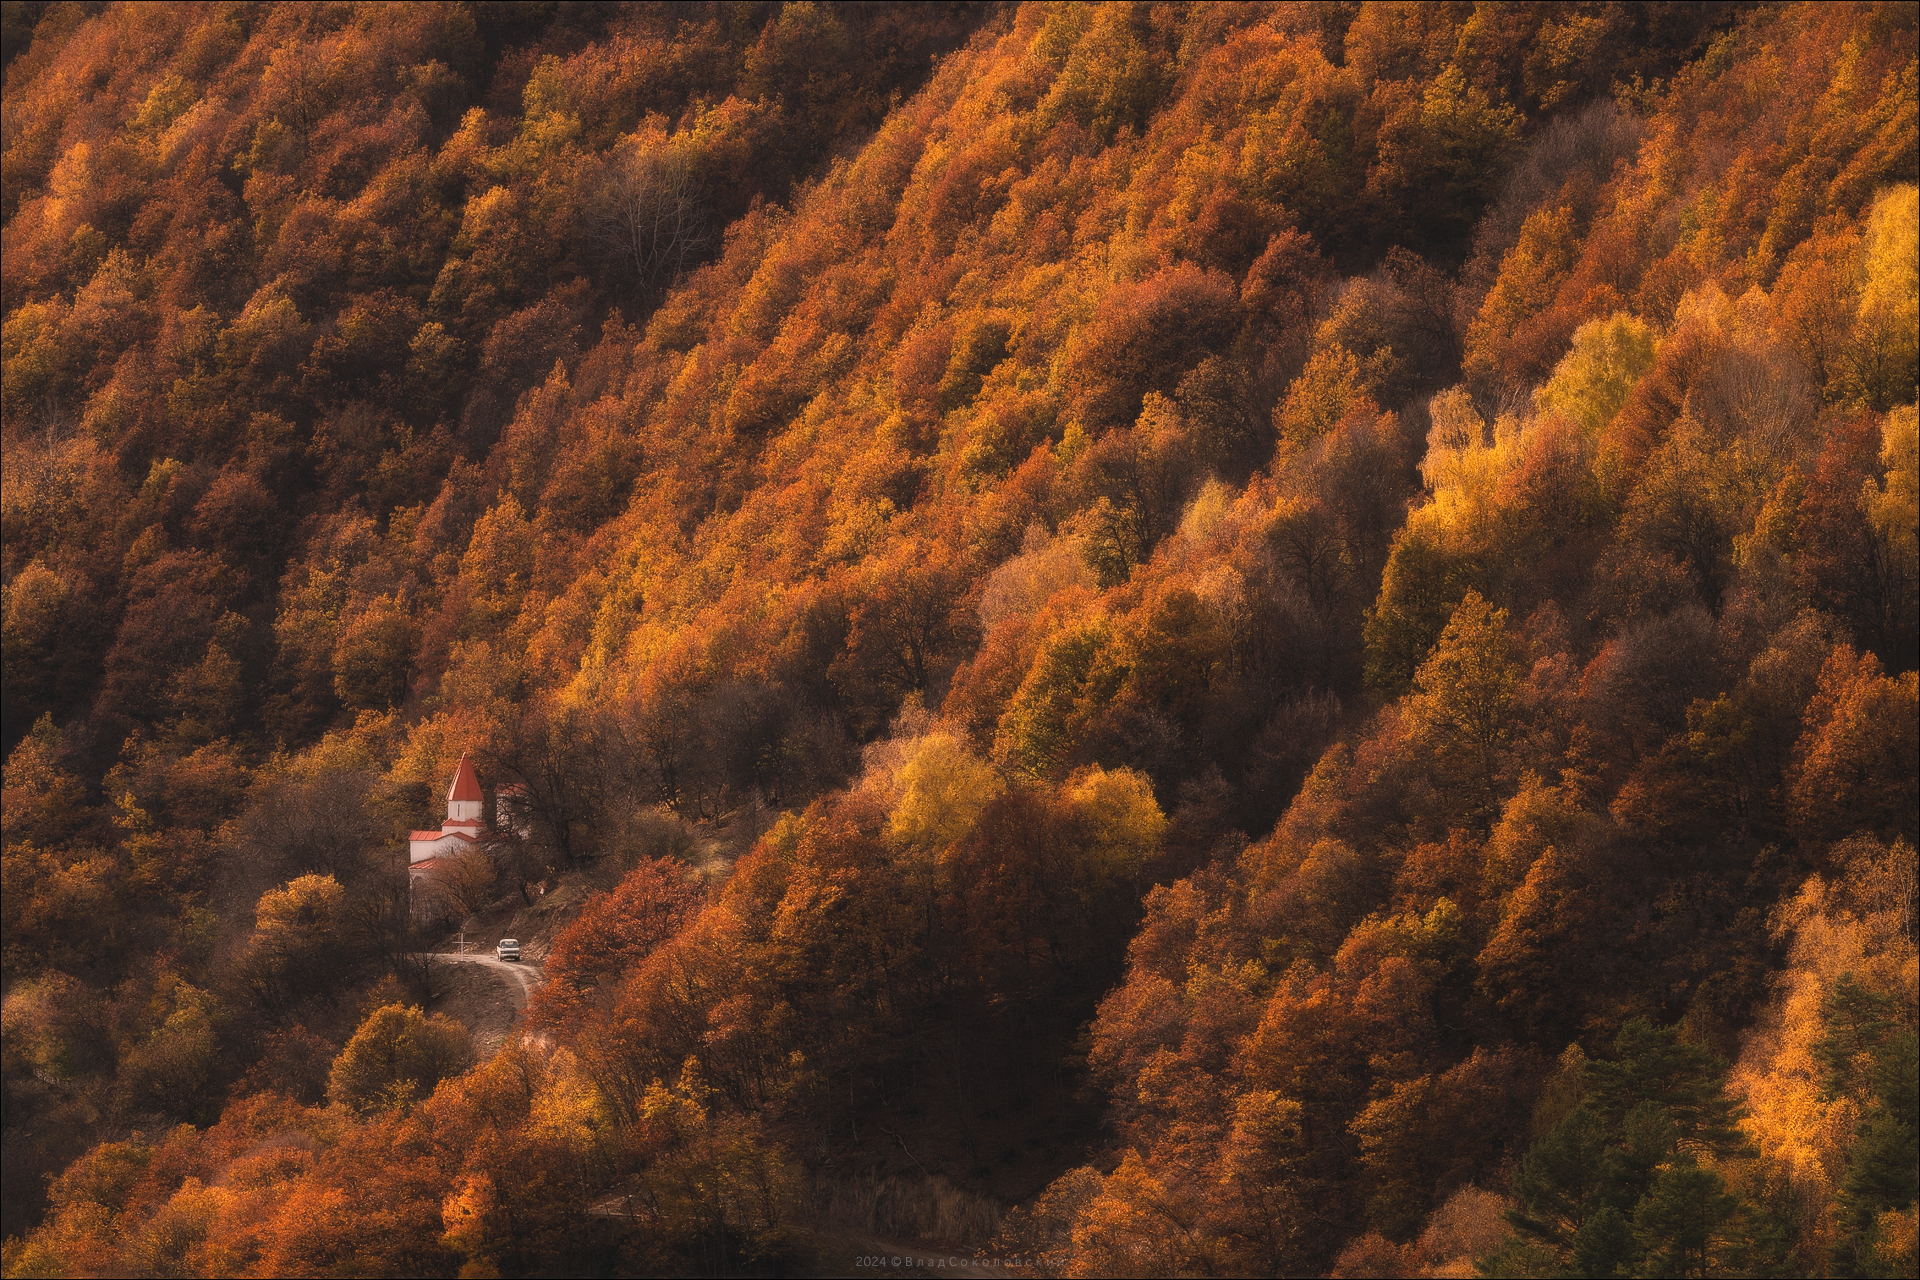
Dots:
{"x": 1198, "y": 639}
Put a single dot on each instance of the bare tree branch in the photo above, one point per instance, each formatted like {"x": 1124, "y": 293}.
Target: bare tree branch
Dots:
{"x": 645, "y": 213}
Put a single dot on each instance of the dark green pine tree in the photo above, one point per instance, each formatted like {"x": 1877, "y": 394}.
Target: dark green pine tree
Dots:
{"x": 1682, "y": 1219}
{"x": 1616, "y": 1188}
{"x": 1690, "y": 1224}
{"x": 1652, "y": 1064}
{"x": 1559, "y": 1178}
{"x": 1885, "y": 1170}
{"x": 1604, "y": 1245}
{"x": 1859, "y": 1021}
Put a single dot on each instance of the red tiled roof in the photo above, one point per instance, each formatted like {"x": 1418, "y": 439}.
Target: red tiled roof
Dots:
{"x": 440, "y": 835}
{"x": 466, "y": 783}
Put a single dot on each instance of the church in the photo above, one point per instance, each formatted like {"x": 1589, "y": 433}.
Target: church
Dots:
{"x": 464, "y": 827}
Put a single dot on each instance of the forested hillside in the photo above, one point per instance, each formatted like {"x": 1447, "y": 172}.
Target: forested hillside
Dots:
{"x": 1295, "y": 625}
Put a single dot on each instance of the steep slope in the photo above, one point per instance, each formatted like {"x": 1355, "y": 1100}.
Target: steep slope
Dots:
{"x": 1240, "y": 576}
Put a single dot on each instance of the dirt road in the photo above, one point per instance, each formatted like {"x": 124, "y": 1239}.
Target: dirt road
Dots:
{"x": 523, "y": 975}
{"x": 486, "y": 995}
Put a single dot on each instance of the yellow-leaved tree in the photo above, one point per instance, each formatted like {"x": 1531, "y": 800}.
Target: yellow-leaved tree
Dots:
{"x": 1886, "y": 331}
{"x": 397, "y": 1056}
{"x": 1892, "y": 508}
{"x": 1591, "y": 382}
{"x": 1460, "y": 713}
{"x": 943, "y": 787}
{"x": 297, "y": 926}
{"x": 1850, "y": 948}
{"x": 1445, "y": 547}
{"x": 1122, "y": 818}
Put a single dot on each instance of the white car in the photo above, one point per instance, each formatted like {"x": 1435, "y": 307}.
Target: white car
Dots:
{"x": 509, "y": 949}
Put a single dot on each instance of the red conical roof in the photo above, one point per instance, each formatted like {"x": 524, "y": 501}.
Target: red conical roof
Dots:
{"x": 466, "y": 783}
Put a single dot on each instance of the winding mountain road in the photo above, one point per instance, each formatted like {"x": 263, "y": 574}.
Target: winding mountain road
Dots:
{"x": 523, "y": 975}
